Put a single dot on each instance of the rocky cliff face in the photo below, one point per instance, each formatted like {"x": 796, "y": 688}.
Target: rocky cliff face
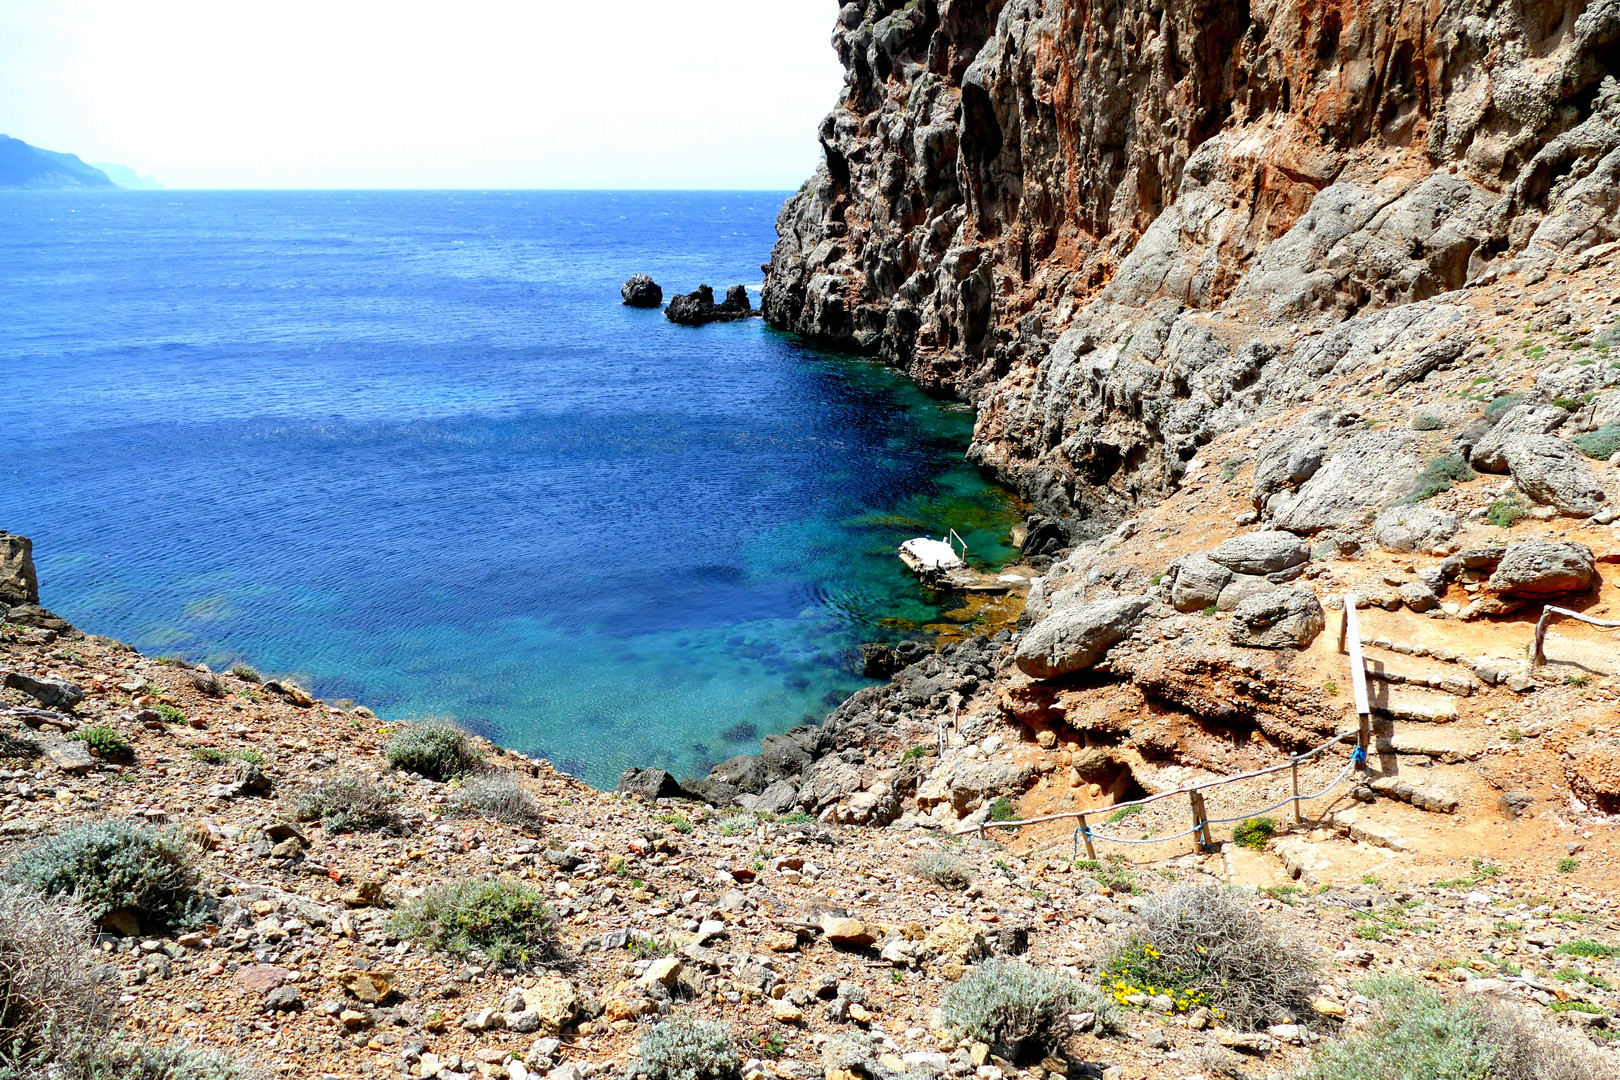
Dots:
{"x": 1122, "y": 229}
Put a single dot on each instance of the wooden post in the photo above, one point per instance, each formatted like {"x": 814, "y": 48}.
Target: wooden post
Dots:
{"x": 1091, "y": 849}
{"x": 1202, "y": 841}
{"x": 1298, "y": 818}
{"x": 1358, "y": 678}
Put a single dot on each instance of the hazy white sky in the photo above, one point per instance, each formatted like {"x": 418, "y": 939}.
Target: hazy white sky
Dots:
{"x": 402, "y": 93}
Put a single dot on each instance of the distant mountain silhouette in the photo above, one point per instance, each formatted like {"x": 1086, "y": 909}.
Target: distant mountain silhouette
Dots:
{"x": 24, "y": 166}
{"x": 126, "y": 177}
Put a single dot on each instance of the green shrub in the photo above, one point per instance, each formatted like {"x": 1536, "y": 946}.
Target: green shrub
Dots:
{"x": 207, "y": 755}
{"x": 348, "y": 804}
{"x": 170, "y": 714}
{"x": 432, "y": 748}
{"x": 105, "y": 742}
{"x": 942, "y": 870}
{"x": 678, "y": 821}
{"x": 1124, "y": 813}
{"x": 1508, "y": 511}
{"x": 682, "y": 1048}
{"x": 1568, "y": 404}
{"x": 50, "y": 987}
{"x": 1602, "y": 444}
{"x": 1568, "y": 865}
{"x": 1587, "y": 947}
{"x": 499, "y": 796}
{"x": 111, "y": 866}
{"x": 736, "y": 824}
{"x": 252, "y": 757}
{"x": 1502, "y": 403}
{"x": 1437, "y": 476}
{"x": 505, "y": 920}
{"x": 1204, "y": 946}
{"x": 246, "y": 672}
{"x": 1428, "y": 422}
{"x": 1255, "y": 832}
{"x": 1018, "y": 1006}
{"x": 1003, "y": 809}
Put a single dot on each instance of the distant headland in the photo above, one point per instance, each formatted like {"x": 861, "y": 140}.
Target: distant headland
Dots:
{"x": 25, "y": 166}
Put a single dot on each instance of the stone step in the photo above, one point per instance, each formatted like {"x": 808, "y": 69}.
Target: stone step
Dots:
{"x": 1404, "y": 703}
{"x": 1450, "y": 682}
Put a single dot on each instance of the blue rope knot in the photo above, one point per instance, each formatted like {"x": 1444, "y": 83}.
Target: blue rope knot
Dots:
{"x": 1359, "y": 756}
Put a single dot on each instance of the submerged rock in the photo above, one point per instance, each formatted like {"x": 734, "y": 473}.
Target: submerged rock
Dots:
{"x": 697, "y": 308}
{"x": 642, "y": 291}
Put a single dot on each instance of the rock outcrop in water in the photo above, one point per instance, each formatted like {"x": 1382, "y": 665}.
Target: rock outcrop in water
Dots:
{"x": 698, "y": 307}
{"x": 641, "y": 291}
{"x": 1122, "y": 229}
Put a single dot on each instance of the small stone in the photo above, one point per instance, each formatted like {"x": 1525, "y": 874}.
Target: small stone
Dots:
{"x": 850, "y": 932}
{"x": 352, "y": 1019}
{"x": 370, "y": 987}
{"x": 1327, "y": 1007}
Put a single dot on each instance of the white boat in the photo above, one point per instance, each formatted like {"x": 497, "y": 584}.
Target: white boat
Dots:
{"x": 923, "y": 554}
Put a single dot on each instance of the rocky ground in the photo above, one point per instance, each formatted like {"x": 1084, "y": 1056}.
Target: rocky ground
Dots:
{"x": 1195, "y": 641}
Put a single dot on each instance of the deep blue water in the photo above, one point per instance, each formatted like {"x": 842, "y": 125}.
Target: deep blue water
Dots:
{"x": 410, "y": 448}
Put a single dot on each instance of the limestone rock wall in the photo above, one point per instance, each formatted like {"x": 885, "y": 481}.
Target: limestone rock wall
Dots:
{"x": 1124, "y": 227}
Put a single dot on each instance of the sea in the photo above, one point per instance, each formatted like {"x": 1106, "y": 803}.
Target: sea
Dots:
{"x": 411, "y": 451}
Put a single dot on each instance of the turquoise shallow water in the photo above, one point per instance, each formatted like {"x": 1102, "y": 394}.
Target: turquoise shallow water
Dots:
{"x": 410, "y": 448}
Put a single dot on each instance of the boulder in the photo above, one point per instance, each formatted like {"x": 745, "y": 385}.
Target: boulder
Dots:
{"x": 697, "y": 308}
{"x": 40, "y": 619}
{"x": 1281, "y": 619}
{"x": 1286, "y": 461}
{"x": 1197, "y": 582}
{"x": 1240, "y": 588}
{"x": 650, "y": 784}
{"x": 1413, "y": 528}
{"x": 956, "y": 939}
{"x": 1550, "y": 470}
{"x": 19, "y": 584}
{"x": 1262, "y": 553}
{"x": 51, "y": 693}
{"x": 745, "y": 772}
{"x": 1487, "y": 454}
{"x": 779, "y": 798}
{"x": 1534, "y": 568}
{"x": 1076, "y": 638}
{"x": 783, "y": 755}
{"x": 1373, "y": 470}
{"x": 71, "y": 756}
{"x": 641, "y": 291}
{"x": 554, "y": 1001}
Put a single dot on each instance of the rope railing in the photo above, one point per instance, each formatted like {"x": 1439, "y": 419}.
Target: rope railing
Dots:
{"x": 1538, "y": 654}
{"x": 1350, "y": 644}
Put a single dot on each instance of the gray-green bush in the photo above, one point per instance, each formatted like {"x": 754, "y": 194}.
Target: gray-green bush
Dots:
{"x": 349, "y": 804}
{"x": 432, "y": 748}
{"x": 1208, "y": 943}
{"x": 505, "y": 920}
{"x": 115, "y": 866}
{"x": 122, "y": 1059}
{"x": 682, "y": 1048}
{"x": 1419, "y": 1035}
{"x": 1019, "y": 1006}
{"x": 496, "y": 795}
{"x": 942, "y": 870}
{"x": 1602, "y": 444}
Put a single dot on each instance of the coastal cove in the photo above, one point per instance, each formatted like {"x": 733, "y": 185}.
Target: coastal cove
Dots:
{"x": 410, "y": 449}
